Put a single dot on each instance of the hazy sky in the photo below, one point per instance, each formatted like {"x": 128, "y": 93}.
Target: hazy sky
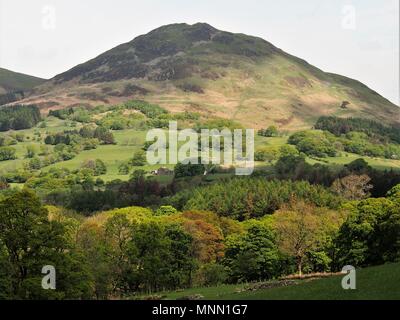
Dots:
{"x": 355, "y": 38}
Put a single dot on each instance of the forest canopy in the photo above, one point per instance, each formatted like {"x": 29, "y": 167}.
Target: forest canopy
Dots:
{"x": 19, "y": 117}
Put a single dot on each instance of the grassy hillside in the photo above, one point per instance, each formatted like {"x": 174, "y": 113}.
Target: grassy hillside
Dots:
{"x": 11, "y": 81}
{"x": 130, "y": 141}
{"x": 374, "y": 283}
{"x": 199, "y": 68}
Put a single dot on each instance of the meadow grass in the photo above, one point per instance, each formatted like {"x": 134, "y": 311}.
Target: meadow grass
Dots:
{"x": 374, "y": 283}
{"x": 129, "y": 141}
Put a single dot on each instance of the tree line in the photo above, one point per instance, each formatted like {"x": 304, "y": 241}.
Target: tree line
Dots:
{"x": 135, "y": 251}
{"x": 296, "y": 168}
{"x": 11, "y": 96}
{"x": 343, "y": 126}
{"x": 19, "y": 117}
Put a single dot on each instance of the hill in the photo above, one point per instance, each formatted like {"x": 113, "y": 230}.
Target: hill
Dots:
{"x": 219, "y": 74}
{"x": 14, "y": 81}
{"x": 374, "y": 283}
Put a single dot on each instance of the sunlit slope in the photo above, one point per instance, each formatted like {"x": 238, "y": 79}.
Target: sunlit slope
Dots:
{"x": 217, "y": 73}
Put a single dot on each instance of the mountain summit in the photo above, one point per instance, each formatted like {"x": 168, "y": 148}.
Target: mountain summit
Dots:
{"x": 217, "y": 73}
{"x": 171, "y": 52}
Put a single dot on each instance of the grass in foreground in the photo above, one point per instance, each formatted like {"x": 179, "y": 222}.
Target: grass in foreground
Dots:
{"x": 374, "y": 283}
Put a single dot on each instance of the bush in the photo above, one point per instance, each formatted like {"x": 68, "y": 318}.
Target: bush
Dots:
{"x": 188, "y": 170}
{"x": 97, "y": 166}
{"x": 166, "y": 211}
{"x": 312, "y": 143}
{"x": 100, "y": 168}
{"x": 30, "y": 151}
{"x": 139, "y": 159}
{"x": 7, "y": 153}
{"x": 266, "y": 154}
{"x": 212, "y": 274}
{"x": 124, "y": 168}
{"x": 104, "y": 135}
{"x": 271, "y": 131}
{"x": 149, "y": 110}
{"x": 34, "y": 163}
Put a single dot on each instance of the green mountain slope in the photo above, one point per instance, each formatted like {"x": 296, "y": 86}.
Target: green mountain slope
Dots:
{"x": 14, "y": 81}
{"x": 217, "y": 73}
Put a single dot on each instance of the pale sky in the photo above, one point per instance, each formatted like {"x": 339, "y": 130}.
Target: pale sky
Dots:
{"x": 355, "y": 38}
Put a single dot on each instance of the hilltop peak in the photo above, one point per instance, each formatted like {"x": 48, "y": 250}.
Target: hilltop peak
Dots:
{"x": 164, "y": 52}
{"x": 185, "y": 26}
{"x": 199, "y": 68}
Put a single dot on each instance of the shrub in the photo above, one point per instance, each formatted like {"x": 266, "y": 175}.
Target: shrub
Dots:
{"x": 7, "y": 153}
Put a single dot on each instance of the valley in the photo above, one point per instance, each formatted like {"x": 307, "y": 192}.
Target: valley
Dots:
{"x": 130, "y": 141}
{"x": 77, "y": 190}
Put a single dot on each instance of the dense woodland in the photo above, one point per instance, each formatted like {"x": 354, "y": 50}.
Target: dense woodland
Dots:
{"x": 11, "y": 96}
{"x": 134, "y": 250}
{"x": 238, "y": 230}
{"x": 340, "y": 126}
{"x": 19, "y": 117}
{"x": 362, "y": 137}
{"x": 125, "y": 239}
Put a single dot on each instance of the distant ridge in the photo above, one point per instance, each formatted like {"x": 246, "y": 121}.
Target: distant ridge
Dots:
{"x": 15, "y": 81}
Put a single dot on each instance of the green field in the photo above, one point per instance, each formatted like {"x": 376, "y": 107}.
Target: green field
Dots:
{"x": 130, "y": 141}
{"x": 343, "y": 159}
{"x": 346, "y": 158}
{"x": 374, "y": 283}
